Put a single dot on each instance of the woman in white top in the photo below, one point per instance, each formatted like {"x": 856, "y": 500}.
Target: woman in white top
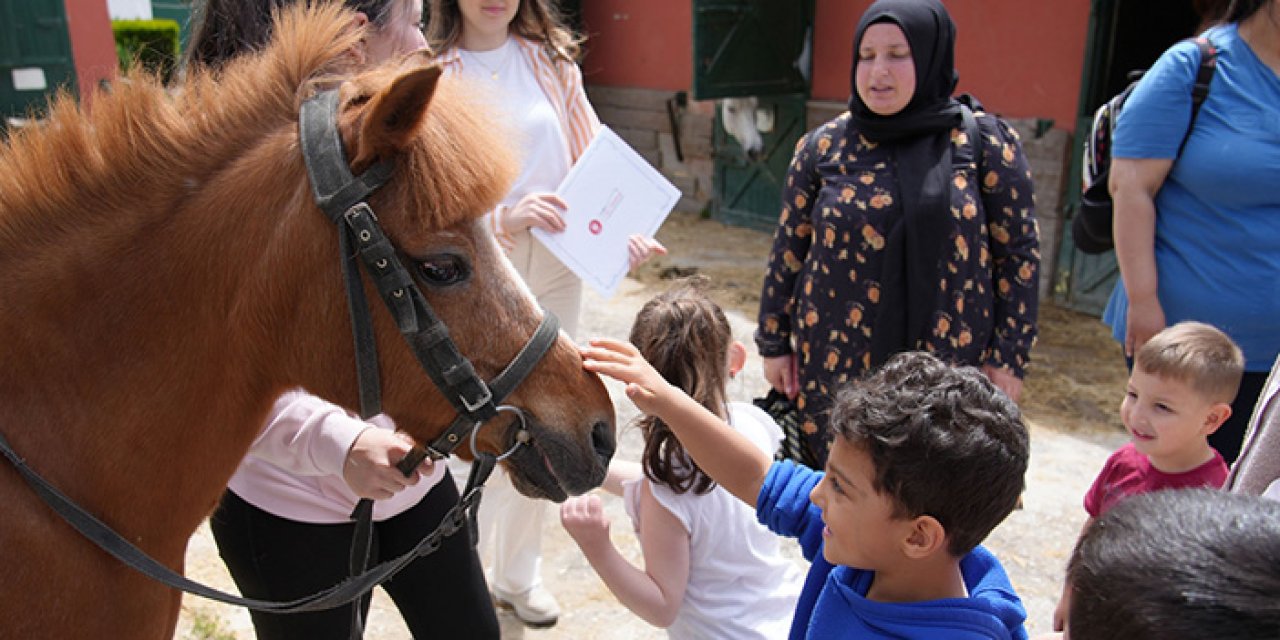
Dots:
{"x": 710, "y": 569}
{"x": 520, "y": 55}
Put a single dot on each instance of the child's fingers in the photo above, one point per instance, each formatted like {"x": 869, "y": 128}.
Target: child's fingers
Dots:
{"x": 605, "y": 361}
{"x": 613, "y": 345}
{"x": 571, "y": 511}
{"x": 637, "y": 393}
{"x": 619, "y": 371}
{"x": 596, "y": 354}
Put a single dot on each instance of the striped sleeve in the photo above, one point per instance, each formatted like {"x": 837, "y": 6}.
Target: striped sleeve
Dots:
{"x": 581, "y": 121}
{"x": 562, "y": 82}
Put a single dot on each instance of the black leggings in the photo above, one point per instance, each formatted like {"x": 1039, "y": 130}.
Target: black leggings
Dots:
{"x": 441, "y": 595}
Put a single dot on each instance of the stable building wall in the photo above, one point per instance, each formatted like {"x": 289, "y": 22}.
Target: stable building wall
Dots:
{"x": 1022, "y": 59}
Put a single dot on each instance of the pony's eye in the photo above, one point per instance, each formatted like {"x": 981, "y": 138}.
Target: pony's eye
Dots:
{"x": 444, "y": 270}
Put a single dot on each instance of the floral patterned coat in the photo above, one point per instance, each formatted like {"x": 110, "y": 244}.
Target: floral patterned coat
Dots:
{"x": 822, "y": 288}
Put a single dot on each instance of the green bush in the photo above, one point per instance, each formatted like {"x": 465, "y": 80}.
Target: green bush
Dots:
{"x": 152, "y": 43}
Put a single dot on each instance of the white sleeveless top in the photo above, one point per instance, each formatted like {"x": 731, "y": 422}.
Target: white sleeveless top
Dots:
{"x": 740, "y": 585}
{"x": 509, "y": 85}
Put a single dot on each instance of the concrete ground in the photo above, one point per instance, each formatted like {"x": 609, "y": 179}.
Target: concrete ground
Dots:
{"x": 1033, "y": 543}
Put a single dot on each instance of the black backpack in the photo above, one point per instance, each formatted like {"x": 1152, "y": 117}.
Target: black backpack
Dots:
{"x": 1091, "y": 229}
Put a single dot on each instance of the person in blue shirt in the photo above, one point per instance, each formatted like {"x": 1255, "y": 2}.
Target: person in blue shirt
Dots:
{"x": 926, "y": 460}
{"x": 1197, "y": 232}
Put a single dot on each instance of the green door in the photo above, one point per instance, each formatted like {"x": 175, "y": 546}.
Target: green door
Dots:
{"x": 178, "y": 11}
{"x": 749, "y": 191}
{"x": 753, "y": 48}
{"x": 750, "y": 47}
{"x": 1123, "y": 35}
{"x": 35, "y": 54}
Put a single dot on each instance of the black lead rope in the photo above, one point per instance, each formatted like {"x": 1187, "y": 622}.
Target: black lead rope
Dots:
{"x": 124, "y": 551}
{"x": 338, "y": 595}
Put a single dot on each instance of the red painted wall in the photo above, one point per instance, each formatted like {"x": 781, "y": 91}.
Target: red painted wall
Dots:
{"x": 92, "y": 46}
{"x": 1022, "y": 58}
{"x": 639, "y": 43}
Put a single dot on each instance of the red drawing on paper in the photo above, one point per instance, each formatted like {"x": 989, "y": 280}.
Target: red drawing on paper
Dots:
{"x": 596, "y": 225}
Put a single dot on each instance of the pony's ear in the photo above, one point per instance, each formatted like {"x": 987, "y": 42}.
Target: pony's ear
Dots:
{"x": 393, "y": 114}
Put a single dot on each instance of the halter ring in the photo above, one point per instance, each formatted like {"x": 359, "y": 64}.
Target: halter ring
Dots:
{"x": 522, "y": 435}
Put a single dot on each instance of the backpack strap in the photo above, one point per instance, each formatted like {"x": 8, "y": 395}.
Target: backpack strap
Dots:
{"x": 969, "y": 154}
{"x": 1200, "y": 89}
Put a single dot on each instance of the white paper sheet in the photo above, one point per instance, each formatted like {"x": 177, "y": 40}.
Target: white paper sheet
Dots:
{"x": 612, "y": 194}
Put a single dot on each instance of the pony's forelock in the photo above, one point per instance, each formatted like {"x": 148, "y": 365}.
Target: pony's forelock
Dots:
{"x": 481, "y": 158}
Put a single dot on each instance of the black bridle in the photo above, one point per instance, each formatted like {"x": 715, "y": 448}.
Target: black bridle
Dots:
{"x": 342, "y": 196}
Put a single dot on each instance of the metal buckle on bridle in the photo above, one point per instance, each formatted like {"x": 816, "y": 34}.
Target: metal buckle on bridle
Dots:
{"x": 341, "y": 196}
{"x": 485, "y": 398}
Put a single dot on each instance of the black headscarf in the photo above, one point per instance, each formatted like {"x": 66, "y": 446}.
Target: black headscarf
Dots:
{"x": 932, "y": 37}
{"x": 919, "y": 138}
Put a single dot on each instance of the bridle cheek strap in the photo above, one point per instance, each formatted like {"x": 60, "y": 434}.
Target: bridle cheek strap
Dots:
{"x": 342, "y": 196}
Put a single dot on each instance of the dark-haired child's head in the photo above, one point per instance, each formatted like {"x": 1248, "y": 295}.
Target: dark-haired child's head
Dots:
{"x": 939, "y": 448}
{"x": 1178, "y": 565}
{"x": 687, "y": 338}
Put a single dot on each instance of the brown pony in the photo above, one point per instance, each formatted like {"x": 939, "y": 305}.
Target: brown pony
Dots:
{"x": 165, "y": 274}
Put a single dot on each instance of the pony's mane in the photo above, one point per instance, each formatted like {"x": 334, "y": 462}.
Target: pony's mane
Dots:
{"x": 141, "y": 138}
{"x": 139, "y": 132}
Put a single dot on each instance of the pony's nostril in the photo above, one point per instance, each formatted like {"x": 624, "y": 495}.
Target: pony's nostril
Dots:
{"x": 603, "y": 440}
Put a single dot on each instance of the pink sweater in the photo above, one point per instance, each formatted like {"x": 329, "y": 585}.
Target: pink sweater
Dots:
{"x": 294, "y": 468}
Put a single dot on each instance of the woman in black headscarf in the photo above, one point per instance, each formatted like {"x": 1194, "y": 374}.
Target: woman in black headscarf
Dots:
{"x": 899, "y": 231}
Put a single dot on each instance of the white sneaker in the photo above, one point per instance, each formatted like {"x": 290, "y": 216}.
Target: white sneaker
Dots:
{"x": 535, "y": 607}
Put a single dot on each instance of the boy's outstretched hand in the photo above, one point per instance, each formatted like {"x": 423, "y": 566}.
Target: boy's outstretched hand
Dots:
{"x": 622, "y": 362}
{"x": 729, "y": 457}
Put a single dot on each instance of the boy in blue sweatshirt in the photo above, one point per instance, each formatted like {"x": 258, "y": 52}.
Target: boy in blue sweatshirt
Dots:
{"x": 927, "y": 460}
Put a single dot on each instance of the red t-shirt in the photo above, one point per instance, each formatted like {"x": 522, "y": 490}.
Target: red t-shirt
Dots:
{"x": 1128, "y": 472}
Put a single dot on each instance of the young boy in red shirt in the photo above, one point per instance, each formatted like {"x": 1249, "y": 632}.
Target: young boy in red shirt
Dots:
{"x": 1179, "y": 392}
